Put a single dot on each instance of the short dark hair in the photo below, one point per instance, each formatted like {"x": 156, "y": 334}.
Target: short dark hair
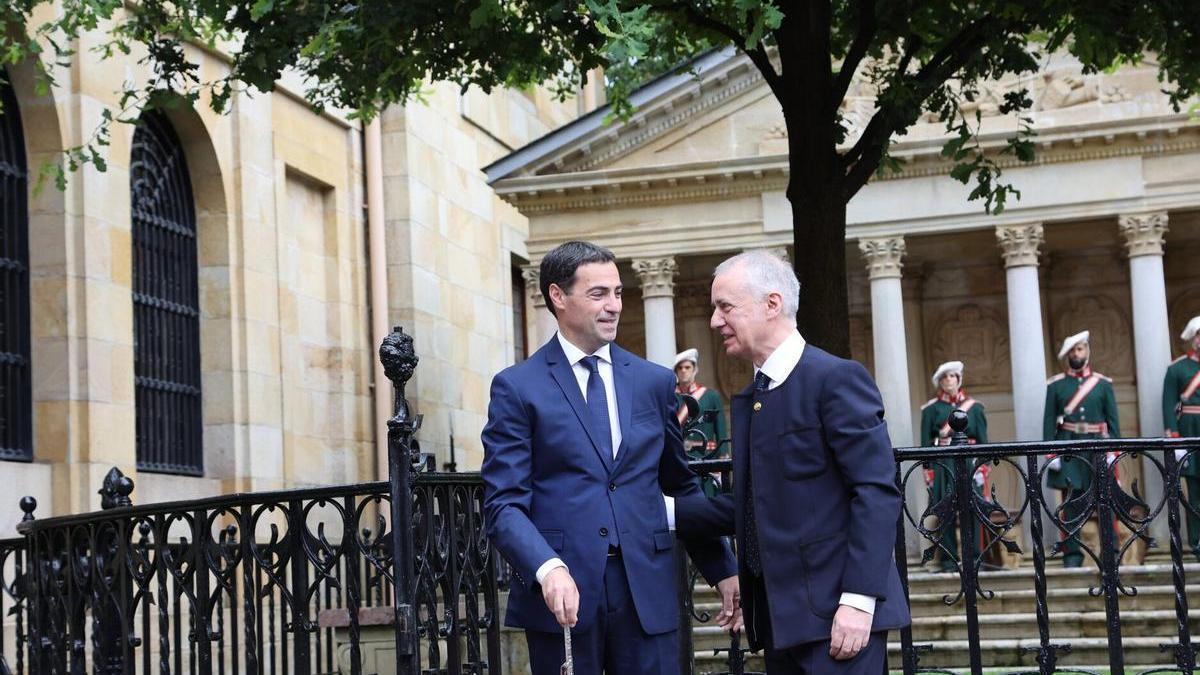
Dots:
{"x": 559, "y": 265}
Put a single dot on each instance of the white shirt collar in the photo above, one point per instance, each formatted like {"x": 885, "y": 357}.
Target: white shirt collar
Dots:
{"x": 575, "y": 354}
{"x": 783, "y": 360}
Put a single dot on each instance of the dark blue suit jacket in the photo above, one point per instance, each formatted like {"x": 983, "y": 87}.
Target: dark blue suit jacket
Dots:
{"x": 550, "y": 491}
{"x": 825, "y": 498}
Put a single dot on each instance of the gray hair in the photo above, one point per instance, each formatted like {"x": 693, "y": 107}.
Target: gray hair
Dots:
{"x": 766, "y": 273}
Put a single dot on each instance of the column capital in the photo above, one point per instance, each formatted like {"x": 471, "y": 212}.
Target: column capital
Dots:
{"x": 657, "y": 276}
{"x": 1019, "y": 244}
{"x": 883, "y": 256}
{"x": 1143, "y": 232}
{"x": 532, "y": 274}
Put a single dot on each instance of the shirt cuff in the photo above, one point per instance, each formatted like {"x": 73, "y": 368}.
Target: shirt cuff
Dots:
{"x": 865, "y": 603}
{"x": 547, "y": 567}
{"x": 670, "y": 504}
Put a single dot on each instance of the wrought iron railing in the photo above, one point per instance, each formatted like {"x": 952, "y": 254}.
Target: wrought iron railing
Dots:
{"x": 1124, "y": 518}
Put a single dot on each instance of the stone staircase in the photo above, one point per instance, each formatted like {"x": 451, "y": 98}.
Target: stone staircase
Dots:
{"x": 1008, "y": 620}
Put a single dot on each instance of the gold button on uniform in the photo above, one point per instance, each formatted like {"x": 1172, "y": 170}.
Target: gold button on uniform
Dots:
{"x": 758, "y": 406}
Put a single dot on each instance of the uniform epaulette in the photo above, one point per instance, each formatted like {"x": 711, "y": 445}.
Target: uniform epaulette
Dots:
{"x": 929, "y": 403}
{"x": 1056, "y": 378}
{"x": 1181, "y": 358}
{"x": 1103, "y": 377}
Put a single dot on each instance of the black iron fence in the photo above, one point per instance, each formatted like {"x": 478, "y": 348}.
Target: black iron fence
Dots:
{"x": 310, "y": 581}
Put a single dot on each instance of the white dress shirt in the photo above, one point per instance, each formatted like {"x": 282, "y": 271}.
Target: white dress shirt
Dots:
{"x": 575, "y": 357}
{"x": 778, "y": 367}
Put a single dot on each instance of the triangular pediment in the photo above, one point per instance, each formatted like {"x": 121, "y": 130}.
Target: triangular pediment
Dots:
{"x": 706, "y": 110}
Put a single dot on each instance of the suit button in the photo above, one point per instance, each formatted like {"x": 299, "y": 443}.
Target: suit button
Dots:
{"x": 604, "y": 532}
{"x": 612, "y": 487}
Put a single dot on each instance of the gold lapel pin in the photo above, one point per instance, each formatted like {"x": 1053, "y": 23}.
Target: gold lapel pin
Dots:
{"x": 758, "y": 406}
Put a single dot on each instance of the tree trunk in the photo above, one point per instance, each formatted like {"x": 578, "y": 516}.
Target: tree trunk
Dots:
{"x": 819, "y": 236}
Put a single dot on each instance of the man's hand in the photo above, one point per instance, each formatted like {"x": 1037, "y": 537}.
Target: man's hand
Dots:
{"x": 561, "y": 596}
{"x": 851, "y": 631}
{"x": 730, "y": 617}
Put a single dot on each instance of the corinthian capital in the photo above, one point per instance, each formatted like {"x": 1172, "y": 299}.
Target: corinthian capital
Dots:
{"x": 883, "y": 256}
{"x": 657, "y": 276}
{"x": 532, "y": 275}
{"x": 1019, "y": 244}
{"x": 1143, "y": 232}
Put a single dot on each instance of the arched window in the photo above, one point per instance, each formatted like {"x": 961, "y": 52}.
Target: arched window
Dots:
{"x": 16, "y": 409}
{"x": 166, "y": 307}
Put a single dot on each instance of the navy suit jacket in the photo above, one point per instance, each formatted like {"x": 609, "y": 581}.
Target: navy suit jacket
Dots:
{"x": 825, "y": 500}
{"x": 551, "y": 491}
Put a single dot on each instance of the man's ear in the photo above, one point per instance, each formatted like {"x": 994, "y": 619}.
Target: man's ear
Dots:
{"x": 774, "y": 304}
{"x": 557, "y": 296}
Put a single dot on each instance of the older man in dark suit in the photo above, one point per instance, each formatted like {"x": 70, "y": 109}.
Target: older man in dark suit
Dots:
{"x": 815, "y": 501}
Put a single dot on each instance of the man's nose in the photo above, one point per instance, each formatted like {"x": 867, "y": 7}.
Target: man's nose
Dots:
{"x": 717, "y": 320}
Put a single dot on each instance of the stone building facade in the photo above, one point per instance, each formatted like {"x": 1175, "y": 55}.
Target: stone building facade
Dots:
{"x": 283, "y": 302}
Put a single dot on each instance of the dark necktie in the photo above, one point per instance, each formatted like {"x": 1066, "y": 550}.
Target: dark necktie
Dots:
{"x": 597, "y": 403}
{"x": 753, "y": 560}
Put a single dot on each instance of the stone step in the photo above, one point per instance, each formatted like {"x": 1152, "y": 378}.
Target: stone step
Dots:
{"x": 1063, "y": 626}
{"x": 1057, "y": 600}
{"x": 1142, "y": 653}
{"x": 1056, "y": 577}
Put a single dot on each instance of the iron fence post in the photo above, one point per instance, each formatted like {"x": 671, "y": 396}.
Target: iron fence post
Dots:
{"x": 1185, "y": 651}
{"x": 399, "y": 360}
{"x": 964, "y": 499}
{"x": 113, "y": 649}
{"x": 1104, "y": 481}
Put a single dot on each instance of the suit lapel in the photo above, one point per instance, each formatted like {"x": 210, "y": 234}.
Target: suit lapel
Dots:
{"x": 623, "y": 383}
{"x": 561, "y": 371}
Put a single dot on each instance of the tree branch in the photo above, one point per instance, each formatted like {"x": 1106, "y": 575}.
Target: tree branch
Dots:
{"x": 758, "y": 55}
{"x": 863, "y": 159}
{"x": 858, "y": 50}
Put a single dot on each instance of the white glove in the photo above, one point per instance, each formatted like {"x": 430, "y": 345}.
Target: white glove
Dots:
{"x": 1180, "y": 454}
{"x": 979, "y": 478}
{"x": 1112, "y": 457}
{"x": 1056, "y": 464}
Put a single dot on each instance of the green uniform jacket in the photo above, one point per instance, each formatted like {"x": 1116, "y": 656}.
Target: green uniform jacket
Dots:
{"x": 1179, "y": 375}
{"x": 1099, "y": 406}
{"x": 934, "y": 414}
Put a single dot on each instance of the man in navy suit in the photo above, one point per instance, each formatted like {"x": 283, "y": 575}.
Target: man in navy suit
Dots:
{"x": 815, "y": 501}
{"x": 583, "y": 459}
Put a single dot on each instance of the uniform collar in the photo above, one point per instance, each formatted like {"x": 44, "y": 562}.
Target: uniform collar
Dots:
{"x": 953, "y": 400}
{"x": 1081, "y": 374}
{"x": 696, "y": 386}
{"x": 783, "y": 360}
{"x": 575, "y": 354}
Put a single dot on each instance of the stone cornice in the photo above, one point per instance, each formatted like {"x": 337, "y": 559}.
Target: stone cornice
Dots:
{"x": 721, "y": 179}
{"x": 1143, "y": 232}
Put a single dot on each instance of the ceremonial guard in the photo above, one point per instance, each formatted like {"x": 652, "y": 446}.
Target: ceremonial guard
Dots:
{"x": 935, "y": 430}
{"x": 686, "y": 368}
{"x": 1181, "y": 417}
{"x": 1080, "y": 405}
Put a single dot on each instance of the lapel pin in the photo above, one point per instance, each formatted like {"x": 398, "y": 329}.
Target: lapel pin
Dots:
{"x": 758, "y": 406}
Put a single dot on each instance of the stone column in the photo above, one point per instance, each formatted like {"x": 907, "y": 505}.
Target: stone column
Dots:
{"x": 1019, "y": 245}
{"x": 544, "y": 324}
{"x": 883, "y": 258}
{"x": 657, "y": 277}
{"x": 1151, "y": 337}
{"x": 1151, "y": 333}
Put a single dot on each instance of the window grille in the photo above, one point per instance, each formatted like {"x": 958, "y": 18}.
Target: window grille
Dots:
{"x": 166, "y": 306}
{"x": 16, "y": 407}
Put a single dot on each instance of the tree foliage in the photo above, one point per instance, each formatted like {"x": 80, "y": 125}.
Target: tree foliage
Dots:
{"x": 914, "y": 58}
